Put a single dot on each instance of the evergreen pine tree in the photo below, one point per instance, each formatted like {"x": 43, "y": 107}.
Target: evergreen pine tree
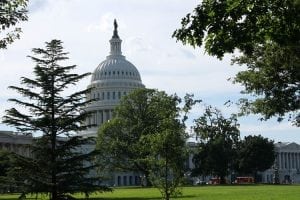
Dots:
{"x": 58, "y": 166}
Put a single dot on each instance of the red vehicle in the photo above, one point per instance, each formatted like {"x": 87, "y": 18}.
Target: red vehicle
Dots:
{"x": 214, "y": 181}
{"x": 244, "y": 180}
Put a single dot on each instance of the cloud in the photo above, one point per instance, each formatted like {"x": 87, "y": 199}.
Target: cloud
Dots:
{"x": 37, "y": 5}
{"x": 187, "y": 54}
{"x": 136, "y": 45}
{"x": 103, "y": 25}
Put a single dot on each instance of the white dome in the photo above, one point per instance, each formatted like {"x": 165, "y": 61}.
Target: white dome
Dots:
{"x": 116, "y": 68}
{"x": 111, "y": 80}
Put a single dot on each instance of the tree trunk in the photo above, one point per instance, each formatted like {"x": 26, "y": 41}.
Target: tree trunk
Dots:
{"x": 53, "y": 141}
{"x": 148, "y": 182}
{"x": 167, "y": 196}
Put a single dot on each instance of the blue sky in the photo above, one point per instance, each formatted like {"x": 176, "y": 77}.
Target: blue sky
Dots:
{"x": 85, "y": 26}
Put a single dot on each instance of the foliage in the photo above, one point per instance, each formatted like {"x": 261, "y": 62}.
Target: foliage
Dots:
{"x": 273, "y": 71}
{"x": 168, "y": 154}
{"x": 11, "y": 13}
{"x": 267, "y": 35}
{"x": 5, "y": 165}
{"x": 255, "y": 153}
{"x": 146, "y": 135}
{"x": 218, "y": 138}
{"x": 58, "y": 164}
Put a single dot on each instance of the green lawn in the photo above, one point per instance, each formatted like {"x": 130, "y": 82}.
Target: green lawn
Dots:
{"x": 250, "y": 192}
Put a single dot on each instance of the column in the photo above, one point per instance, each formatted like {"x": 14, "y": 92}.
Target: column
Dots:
{"x": 282, "y": 161}
{"x": 298, "y": 160}
{"x": 107, "y": 115}
{"x": 104, "y": 116}
{"x": 279, "y": 160}
{"x": 289, "y": 160}
{"x": 87, "y": 121}
{"x": 96, "y": 117}
{"x": 285, "y": 160}
{"x": 293, "y": 160}
{"x": 101, "y": 117}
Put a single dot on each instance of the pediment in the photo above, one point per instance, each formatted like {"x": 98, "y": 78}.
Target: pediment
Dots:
{"x": 291, "y": 146}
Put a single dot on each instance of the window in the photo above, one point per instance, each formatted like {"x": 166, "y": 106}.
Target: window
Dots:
{"x": 119, "y": 95}
{"x": 108, "y": 95}
{"x": 114, "y": 95}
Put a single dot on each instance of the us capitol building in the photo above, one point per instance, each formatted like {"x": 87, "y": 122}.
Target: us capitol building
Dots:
{"x": 112, "y": 79}
{"x": 116, "y": 77}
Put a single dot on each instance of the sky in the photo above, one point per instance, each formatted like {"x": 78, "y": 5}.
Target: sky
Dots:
{"x": 145, "y": 27}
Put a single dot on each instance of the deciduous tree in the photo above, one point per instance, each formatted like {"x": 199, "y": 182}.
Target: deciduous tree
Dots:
{"x": 218, "y": 137}
{"x": 266, "y": 34}
{"x": 11, "y": 13}
{"x": 147, "y": 135}
{"x": 255, "y": 153}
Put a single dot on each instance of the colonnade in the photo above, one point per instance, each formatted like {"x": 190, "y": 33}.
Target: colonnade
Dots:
{"x": 21, "y": 149}
{"x": 100, "y": 116}
{"x": 288, "y": 160}
{"x": 127, "y": 180}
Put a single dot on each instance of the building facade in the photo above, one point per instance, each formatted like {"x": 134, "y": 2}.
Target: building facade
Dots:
{"x": 17, "y": 143}
{"x": 112, "y": 79}
{"x": 287, "y": 163}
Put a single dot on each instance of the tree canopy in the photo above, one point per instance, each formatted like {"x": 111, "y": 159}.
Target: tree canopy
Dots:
{"x": 11, "y": 13}
{"x": 255, "y": 153}
{"x": 266, "y": 34}
{"x": 58, "y": 165}
{"x": 218, "y": 138}
{"x": 147, "y": 135}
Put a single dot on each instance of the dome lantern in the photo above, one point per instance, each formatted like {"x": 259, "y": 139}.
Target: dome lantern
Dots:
{"x": 115, "y": 42}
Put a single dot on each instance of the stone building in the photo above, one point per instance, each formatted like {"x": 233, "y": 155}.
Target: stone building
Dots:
{"x": 14, "y": 142}
{"x": 287, "y": 162}
{"x": 112, "y": 79}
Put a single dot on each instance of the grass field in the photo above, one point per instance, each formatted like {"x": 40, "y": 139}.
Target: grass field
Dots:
{"x": 249, "y": 192}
